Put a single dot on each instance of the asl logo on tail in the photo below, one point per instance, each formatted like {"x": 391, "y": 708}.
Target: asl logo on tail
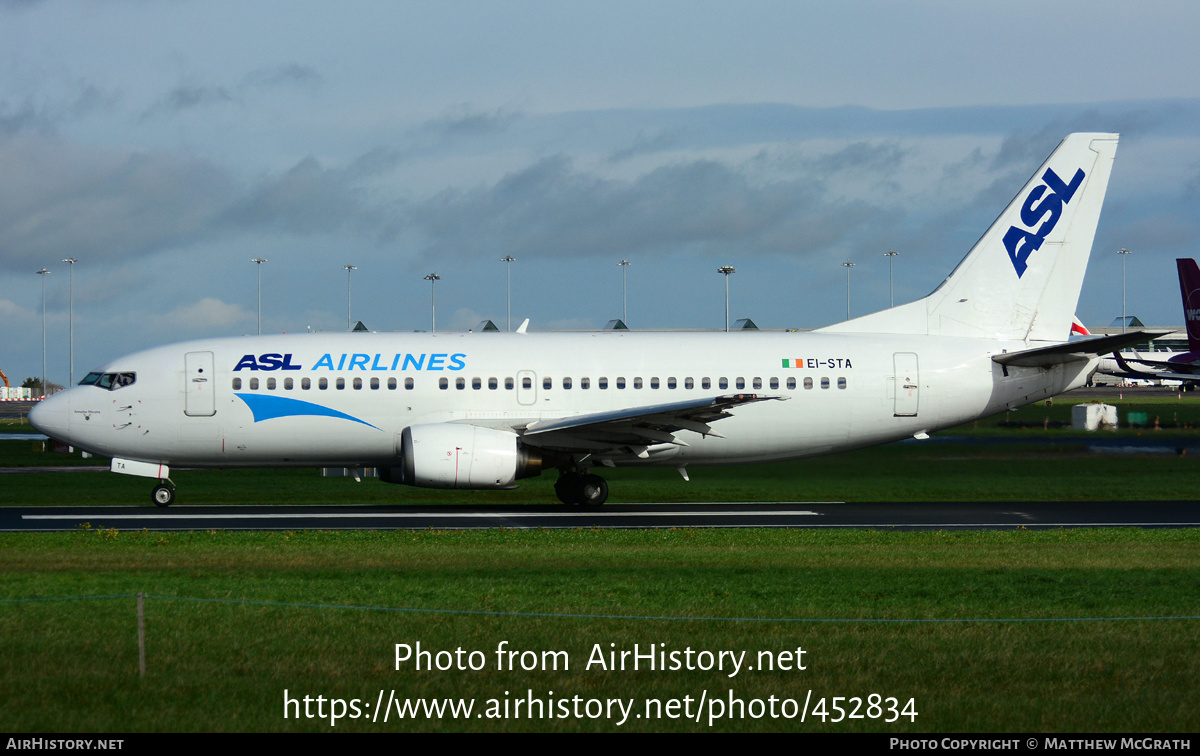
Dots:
{"x": 1053, "y": 194}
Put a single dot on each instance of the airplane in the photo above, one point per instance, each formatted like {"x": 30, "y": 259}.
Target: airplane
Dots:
{"x": 484, "y": 410}
{"x": 1167, "y": 366}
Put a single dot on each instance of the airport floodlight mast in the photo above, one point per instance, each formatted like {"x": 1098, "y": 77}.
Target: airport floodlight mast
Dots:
{"x": 624, "y": 302}
{"x": 433, "y": 278}
{"x": 348, "y": 268}
{"x": 891, "y": 255}
{"x": 259, "y": 261}
{"x": 43, "y": 273}
{"x": 508, "y": 260}
{"x": 1124, "y": 253}
{"x": 71, "y": 318}
{"x": 847, "y": 265}
{"x": 727, "y": 269}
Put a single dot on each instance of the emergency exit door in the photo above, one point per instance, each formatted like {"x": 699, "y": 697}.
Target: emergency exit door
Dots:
{"x": 199, "y": 386}
{"x": 908, "y": 384}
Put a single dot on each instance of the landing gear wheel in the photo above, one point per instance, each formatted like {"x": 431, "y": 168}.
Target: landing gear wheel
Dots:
{"x": 566, "y": 488}
{"x": 593, "y": 491}
{"x": 582, "y": 490}
{"x": 163, "y": 495}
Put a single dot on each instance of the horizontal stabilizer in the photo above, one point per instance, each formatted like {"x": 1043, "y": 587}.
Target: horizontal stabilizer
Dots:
{"x": 1074, "y": 351}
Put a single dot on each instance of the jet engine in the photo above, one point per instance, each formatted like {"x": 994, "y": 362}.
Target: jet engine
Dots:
{"x": 453, "y": 455}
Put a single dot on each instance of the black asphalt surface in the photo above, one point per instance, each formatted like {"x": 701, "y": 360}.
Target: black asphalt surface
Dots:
{"x": 883, "y": 516}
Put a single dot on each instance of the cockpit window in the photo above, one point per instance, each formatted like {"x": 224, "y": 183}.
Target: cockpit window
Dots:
{"x": 89, "y": 379}
{"x": 112, "y": 381}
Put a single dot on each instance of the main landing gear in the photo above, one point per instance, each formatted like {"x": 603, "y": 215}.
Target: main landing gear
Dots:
{"x": 581, "y": 489}
{"x": 164, "y": 494}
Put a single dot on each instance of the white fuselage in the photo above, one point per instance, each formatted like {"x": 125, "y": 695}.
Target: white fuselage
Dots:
{"x": 343, "y": 399}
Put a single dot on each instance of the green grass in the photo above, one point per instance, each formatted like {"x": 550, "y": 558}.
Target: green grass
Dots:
{"x": 1034, "y": 659}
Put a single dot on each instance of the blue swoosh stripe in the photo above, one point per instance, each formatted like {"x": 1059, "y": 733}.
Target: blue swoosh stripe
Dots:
{"x": 267, "y": 407}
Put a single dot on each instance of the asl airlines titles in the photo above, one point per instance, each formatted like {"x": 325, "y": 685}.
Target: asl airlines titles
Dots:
{"x": 434, "y": 361}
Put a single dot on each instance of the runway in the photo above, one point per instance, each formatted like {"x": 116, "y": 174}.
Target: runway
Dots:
{"x": 874, "y": 515}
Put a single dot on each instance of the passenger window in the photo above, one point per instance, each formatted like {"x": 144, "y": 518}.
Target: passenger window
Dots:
{"x": 323, "y": 384}
{"x": 254, "y": 384}
{"x": 305, "y": 384}
{"x": 237, "y": 384}
{"x": 791, "y": 383}
{"x": 841, "y": 383}
{"x": 270, "y": 384}
{"x": 637, "y": 383}
{"x": 741, "y": 383}
{"x": 566, "y": 383}
{"x": 602, "y": 383}
{"x": 460, "y": 383}
{"x": 620, "y": 383}
{"x": 476, "y": 383}
{"x": 585, "y": 383}
{"x": 653, "y": 383}
{"x": 391, "y": 384}
{"x": 526, "y": 382}
{"x": 705, "y": 383}
{"x": 824, "y": 383}
{"x": 408, "y": 384}
{"x": 375, "y": 384}
{"x": 341, "y": 384}
{"x": 443, "y": 383}
{"x": 288, "y": 384}
{"x": 670, "y": 383}
{"x": 758, "y": 383}
{"x": 723, "y": 383}
{"x": 547, "y": 383}
{"x": 808, "y": 383}
{"x": 774, "y": 383}
{"x": 493, "y": 384}
{"x": 689, "y": 383}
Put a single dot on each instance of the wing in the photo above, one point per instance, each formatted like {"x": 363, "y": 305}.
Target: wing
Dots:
{"x": 1080, "y": 350}
{"x": 636, "y": 429}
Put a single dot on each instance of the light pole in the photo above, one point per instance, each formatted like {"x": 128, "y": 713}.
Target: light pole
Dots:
{"x": 624, "y": 302}
{"x": 1124, "y": 253}
{"x": 890, "y": 254}
{"x": 43, "y": 273}
{"x": 508, "y": 260}
{"x": 71, "y": 318}
{"x": 726, "y": 269}
{"x": 348, "y": 268}
{"x": 433, "y": 278}
{"x": 847, "y": 265}
{"x": 259, "y": 261}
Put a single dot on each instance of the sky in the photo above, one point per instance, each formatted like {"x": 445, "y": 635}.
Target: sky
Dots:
{"x": 164, "y": 145}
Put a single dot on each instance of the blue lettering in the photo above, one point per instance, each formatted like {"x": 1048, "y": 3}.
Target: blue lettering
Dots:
{"x": 359, "y": 361}
{"x": 416, "y": 360}
{"x": 457, "y": 361}
{"x": 395, "y": 361}
{"x": 375, "y": 363}
{"x": 435, "y": 361}
{"x": 341, "y": 362}
{"x": 270, "y": 361}
{"x": 247, "y": 362}
{"x": 1021, "y": 242}
{"x": 287, "y": 362}
{"x": 325, "y": 361}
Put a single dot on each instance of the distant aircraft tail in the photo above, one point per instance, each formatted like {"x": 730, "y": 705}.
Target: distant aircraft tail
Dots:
{"x": 1189, "y": 288}
{"x": 1022, "y": 278}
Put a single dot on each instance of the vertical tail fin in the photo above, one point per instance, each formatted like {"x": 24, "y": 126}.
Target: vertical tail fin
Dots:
{"x": 1189, "y": 288}
{"x": 1022, "y": 278}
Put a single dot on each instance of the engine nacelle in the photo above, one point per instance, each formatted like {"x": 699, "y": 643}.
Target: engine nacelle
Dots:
{"x": 452, "y": 455}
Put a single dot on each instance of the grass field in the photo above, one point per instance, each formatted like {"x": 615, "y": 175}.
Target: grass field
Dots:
{"x": 1016, "y": 631}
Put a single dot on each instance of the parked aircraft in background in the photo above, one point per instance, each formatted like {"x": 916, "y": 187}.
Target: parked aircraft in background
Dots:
{"x": 483, "y": 410}
{"x": 1167, "y": 366}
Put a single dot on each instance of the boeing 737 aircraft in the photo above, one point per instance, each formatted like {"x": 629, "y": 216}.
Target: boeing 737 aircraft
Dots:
{"x": 483, "y": 410}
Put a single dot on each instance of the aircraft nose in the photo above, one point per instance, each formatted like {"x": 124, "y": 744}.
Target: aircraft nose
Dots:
{"x": 51, "y": 416}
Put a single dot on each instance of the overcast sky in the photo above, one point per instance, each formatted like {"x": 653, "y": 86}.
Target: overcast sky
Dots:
{"x": 165, "y": 144}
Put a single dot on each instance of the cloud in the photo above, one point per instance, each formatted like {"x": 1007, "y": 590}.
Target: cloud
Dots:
{"x": 466, "y": 121}
{"x": 188, "y": 97}
{"x": 289, "y": 74}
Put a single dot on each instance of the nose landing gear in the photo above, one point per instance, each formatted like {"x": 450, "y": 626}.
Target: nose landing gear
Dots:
{"x": 163, "y": 494}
